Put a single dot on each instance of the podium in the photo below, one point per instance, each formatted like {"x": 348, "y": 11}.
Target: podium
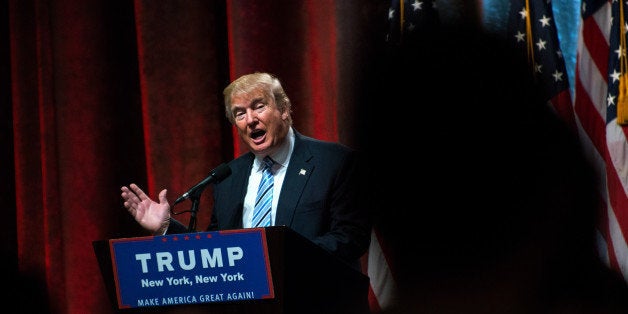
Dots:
{"x": 305, "y": 277}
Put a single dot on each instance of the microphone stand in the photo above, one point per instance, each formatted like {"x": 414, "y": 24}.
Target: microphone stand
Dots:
{"x": 195, "y": 201}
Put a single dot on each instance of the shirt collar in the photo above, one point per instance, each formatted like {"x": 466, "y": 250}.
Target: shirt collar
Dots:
{"x": 281, "y": 155}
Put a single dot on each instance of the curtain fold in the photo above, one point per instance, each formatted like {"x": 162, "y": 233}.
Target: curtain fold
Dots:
{"x": 37, "y": 207}
{"x": 182, "y": 71}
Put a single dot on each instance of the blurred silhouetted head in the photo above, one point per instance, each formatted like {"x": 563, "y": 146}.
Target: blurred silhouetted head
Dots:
{"x": 472, "y": 166}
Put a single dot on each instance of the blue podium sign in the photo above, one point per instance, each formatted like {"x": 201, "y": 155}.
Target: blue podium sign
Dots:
{"x": 203, "y": 267}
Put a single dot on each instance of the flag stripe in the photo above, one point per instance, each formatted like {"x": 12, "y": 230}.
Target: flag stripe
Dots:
{"x": 382, "y": 280}
{"x": 617, "y": 249}
{"x": 595, "y": 98}
{"x": 596, "y": 41}
{"x": 564, "y": 109}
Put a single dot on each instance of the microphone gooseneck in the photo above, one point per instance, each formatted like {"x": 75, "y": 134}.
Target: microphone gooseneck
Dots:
{"x": 216, "y": 175}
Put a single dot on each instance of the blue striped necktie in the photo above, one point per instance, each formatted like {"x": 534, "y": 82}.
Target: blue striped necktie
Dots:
{"x": 264, "y": 199}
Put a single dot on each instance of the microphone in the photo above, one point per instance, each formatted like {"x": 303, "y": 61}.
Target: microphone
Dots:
{"x": 215, "y": 175}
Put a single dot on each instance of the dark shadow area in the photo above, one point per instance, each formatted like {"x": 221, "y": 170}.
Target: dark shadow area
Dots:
{"x": 483, "y": 196}
{"x": 25, "y": 290}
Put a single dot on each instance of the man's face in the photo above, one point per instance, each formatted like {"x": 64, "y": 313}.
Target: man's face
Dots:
{"x": 261, "y": 126}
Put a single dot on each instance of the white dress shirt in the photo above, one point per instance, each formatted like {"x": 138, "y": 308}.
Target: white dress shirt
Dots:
{"x": 281, "y": 158}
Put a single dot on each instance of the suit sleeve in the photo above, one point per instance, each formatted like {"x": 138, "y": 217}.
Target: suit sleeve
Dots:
{"x": 348, "y": 236}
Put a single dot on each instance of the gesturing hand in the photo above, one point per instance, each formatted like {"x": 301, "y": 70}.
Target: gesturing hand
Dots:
{"x": 152, "y": 216}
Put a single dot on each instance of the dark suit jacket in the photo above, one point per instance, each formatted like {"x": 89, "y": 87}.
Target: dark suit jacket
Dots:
{"x": 319, "y": 198}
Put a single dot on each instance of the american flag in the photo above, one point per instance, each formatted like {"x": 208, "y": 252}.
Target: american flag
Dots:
{"x": 407, "y": 20}
{"x": 598, "y": 75}
{"x": 532, "y": 29}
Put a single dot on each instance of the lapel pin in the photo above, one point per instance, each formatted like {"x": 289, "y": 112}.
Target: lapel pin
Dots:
{"x": 302, "y": 172}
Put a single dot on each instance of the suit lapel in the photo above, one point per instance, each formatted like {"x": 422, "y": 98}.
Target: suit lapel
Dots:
{"x": 297, "y": 175}
{"x": 239, "y": 190}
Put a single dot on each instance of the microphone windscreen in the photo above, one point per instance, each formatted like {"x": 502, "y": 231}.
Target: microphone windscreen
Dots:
{"x": 221, "y": 172}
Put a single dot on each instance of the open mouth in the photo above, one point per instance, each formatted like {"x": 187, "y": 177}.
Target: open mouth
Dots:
{"x": 257, "y": 134}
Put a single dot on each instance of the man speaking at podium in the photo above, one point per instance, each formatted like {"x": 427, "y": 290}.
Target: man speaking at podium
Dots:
{"x": 310, "y": 186}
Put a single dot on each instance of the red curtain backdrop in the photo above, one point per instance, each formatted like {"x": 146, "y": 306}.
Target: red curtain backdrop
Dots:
{"x": 98, "y": 94}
